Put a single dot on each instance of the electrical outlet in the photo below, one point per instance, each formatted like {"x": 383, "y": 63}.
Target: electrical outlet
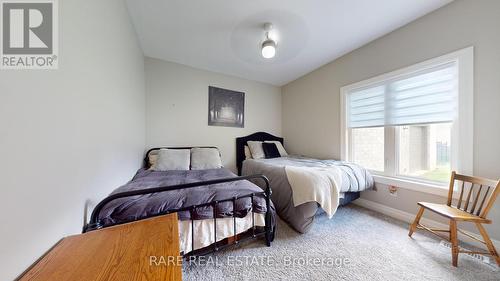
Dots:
{"x": 393, "y": 190}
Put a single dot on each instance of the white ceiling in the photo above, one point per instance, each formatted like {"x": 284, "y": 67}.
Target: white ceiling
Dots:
{"x": 224, "y": 35}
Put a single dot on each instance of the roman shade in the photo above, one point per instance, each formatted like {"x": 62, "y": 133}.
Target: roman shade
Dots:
{"x": 423, "y": 97}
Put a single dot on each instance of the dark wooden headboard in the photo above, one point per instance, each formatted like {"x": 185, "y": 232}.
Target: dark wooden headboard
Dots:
{"x": 242, "y": 141}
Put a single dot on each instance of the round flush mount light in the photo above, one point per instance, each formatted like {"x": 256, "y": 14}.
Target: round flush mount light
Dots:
{"x": 269, "y": 45}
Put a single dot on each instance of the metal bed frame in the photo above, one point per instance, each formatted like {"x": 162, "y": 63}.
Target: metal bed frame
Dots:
{"x": 256, "y": 232}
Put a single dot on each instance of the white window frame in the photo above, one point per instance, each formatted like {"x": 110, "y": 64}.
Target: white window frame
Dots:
{"x": 462, "y": 130}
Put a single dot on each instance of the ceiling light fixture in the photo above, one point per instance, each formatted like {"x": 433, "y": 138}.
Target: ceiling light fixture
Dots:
{"x": 269, "y": 45}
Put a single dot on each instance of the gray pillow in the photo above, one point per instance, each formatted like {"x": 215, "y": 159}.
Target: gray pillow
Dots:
{"x": 248, "y": 154}
{"x": 172, "y": 159}
{"x": 152, "y": 160}
{"x": 205, "y": 158}
{"x": 256, "y": 149}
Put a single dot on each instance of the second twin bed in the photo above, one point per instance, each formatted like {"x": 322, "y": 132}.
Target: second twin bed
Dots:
{"x": 302, "y": 187}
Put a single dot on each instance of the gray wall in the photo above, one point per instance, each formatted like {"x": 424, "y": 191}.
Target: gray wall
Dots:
{"x": 177, "y": 103}
{"x": 69, "y": 135}
{"x": 311, "y": 111}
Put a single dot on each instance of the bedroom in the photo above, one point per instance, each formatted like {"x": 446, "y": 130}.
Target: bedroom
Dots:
{"x": 136, "y": 76}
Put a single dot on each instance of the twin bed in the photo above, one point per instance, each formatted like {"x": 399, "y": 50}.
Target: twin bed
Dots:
{"x": 217, "y": 209}
{"x": 300, "y": 215}
{"x": 214, "y": 206}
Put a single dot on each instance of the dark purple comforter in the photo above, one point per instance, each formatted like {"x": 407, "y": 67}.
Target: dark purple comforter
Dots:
{"x": 137, "y": 207}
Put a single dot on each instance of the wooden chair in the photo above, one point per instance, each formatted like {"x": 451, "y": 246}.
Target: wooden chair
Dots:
{"x": 481, "y": 193}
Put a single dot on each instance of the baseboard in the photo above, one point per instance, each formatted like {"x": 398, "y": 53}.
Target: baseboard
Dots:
{"x": 408, "y": 217}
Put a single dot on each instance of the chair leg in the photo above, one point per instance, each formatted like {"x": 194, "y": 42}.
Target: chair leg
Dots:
{"x": 488, "y": 242}
{"x": 413, "y": 226}
{"x": 454, "y": 242}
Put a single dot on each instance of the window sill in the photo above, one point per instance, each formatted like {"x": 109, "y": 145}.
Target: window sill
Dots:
{"x": 440, "y": 190}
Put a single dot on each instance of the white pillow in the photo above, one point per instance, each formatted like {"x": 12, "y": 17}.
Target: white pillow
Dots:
{"x": 256, "y": 149}
{"x": 172, "y": 159}
{"x": 280, "y": 147}
{"x": 248, "y": 154}
{"x": 205, "y": 158}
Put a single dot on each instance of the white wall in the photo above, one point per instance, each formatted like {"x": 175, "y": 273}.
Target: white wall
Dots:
{"x": 70, "y": 134}
{"x": 311, "y": 110}
{"x": 177, "y": 108}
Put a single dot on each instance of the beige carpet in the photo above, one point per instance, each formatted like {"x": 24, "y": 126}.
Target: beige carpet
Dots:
{"x": 357, "y": 244}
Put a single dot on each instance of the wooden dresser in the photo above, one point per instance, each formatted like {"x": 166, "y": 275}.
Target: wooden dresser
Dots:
{"x": 132, "y": 251}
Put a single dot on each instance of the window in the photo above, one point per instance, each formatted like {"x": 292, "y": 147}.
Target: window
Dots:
{"x": 368, "y": 147}
{"x": 413, "y": 124}
{"x": 424, "y": 151}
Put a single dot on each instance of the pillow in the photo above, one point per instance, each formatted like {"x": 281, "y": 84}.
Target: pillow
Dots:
{"x": 153, "y": 158}
{"x": 256, "y": 149}
{"x": 172, "y": 159}
{"x": 205, "y": 158}
{"x": 280, "y": 147}
{"x": 248, "y": 154}
{"x": 270, "y": 150}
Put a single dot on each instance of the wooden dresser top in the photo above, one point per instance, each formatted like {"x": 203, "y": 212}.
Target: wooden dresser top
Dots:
{"x": 122, "y": 252}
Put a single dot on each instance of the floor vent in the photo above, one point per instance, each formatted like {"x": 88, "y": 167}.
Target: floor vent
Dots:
{"x": 482, "y": 258}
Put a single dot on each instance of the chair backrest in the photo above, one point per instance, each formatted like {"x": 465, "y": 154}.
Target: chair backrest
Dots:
{"x": 477, "y": 195}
